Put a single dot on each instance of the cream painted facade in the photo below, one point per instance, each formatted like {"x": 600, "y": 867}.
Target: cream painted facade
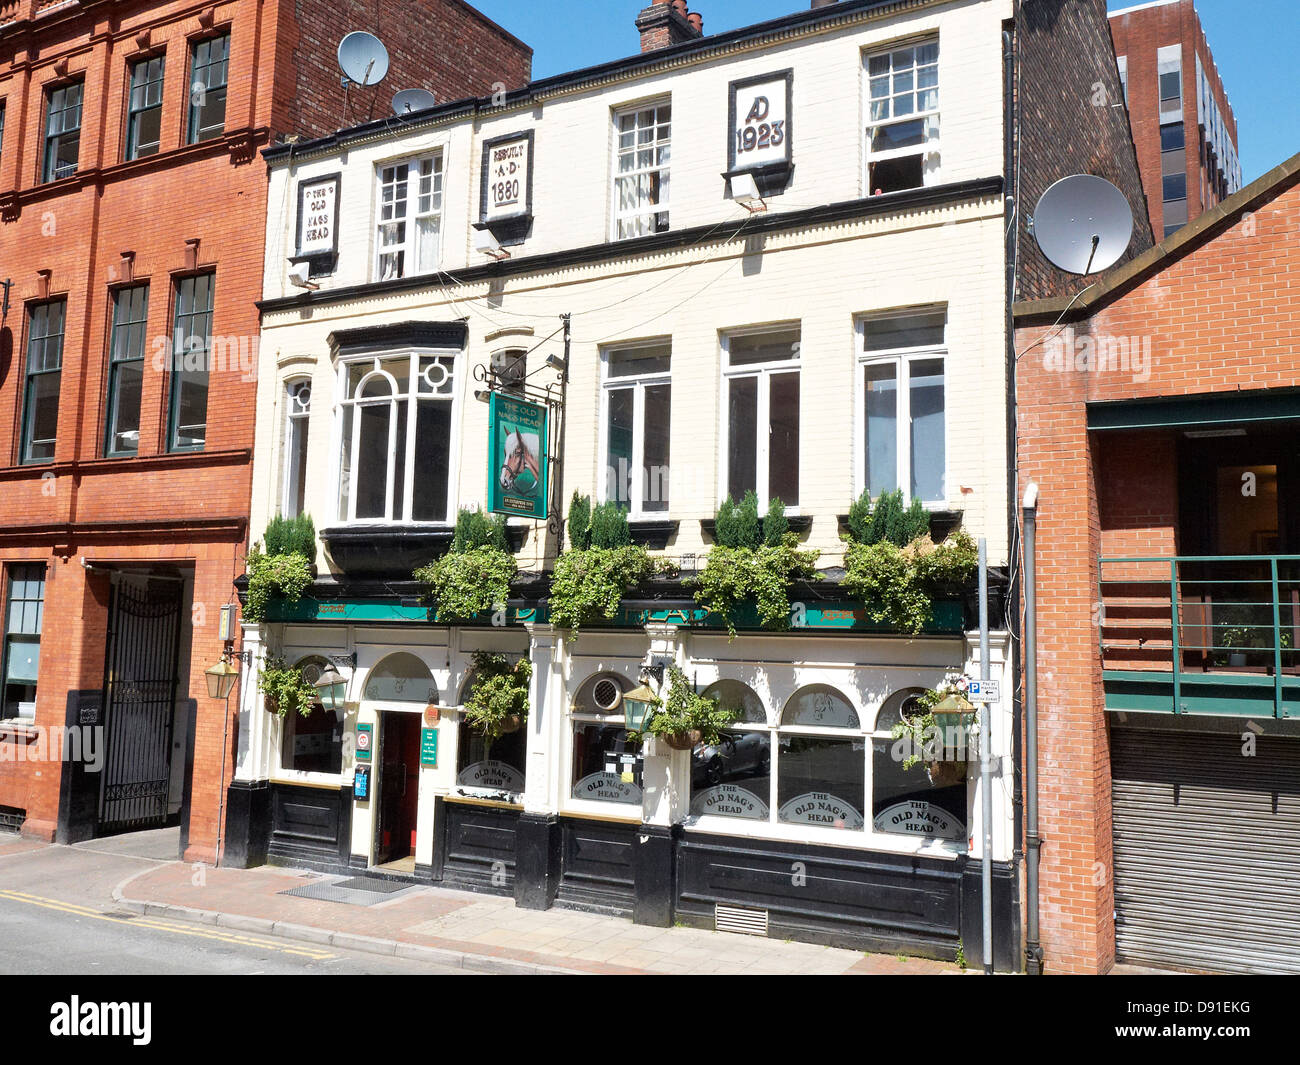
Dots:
{"x": 843, "y": 259}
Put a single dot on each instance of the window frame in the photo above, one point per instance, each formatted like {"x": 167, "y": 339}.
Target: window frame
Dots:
{"x": 178, "y": 352}
{"x": 573, "y": 718}
{"x": 297, "y": 434}
{"x": 637, "y": 384}
{"x": 649, "y": 212}
{"x": 25, "y": 440}
{"x": 901, "y": 358}
{"x": 763, "y": 372}
{"x": 112, "y": 393}
{"x": 867, "y": 732}
{"x": 409, "y": 246}
{"x": 194, "y": 134}
{"x": 52, "y": 142}
{"x": 131, "y": 147}
{"x": 343, "y": 403}
{"x": 928, "y": 149}
{"x": 7, "y": 571}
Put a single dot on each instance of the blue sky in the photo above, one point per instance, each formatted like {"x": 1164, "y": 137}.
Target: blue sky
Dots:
{"x": 1255, "y": 43}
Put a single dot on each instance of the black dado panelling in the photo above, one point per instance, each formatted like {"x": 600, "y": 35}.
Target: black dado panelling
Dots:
{"x": 310, "y": 826}
{"x": 597, "y": 873}
{"x": 870, "y": 900}
{"x": 478, "y": 848}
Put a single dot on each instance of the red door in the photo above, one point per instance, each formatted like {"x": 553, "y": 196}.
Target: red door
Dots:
{"x": 398, "y": 785}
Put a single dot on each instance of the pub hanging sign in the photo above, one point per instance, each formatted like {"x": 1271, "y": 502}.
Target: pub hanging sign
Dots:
{"x": 517, "y": 462}
{"x": 318, "y": 223}
{"x": 506, "y": 187}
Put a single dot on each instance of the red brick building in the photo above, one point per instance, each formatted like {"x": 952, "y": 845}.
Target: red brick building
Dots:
{"x": 1183, "y": 126}
{"x": 132, "y": 221}
{"x": 1160, "y": 417}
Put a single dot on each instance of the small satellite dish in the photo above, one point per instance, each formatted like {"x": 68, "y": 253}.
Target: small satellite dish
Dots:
{"x": 407, "y": 100}
{"x": 1083, "y": 224}
{"x": 363, "y": 58}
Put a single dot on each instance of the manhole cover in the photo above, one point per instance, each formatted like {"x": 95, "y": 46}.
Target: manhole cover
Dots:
{"x": 352, "y": 896}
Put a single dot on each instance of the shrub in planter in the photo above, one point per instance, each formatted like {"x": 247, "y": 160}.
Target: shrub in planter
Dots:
{"x": 475, "y": 575}
{"x": 887, "y": 521}
{"x": 686, "y": 717}
{"x": 587, "y": 585}
{"x": 753, "y": 560}
{"x": 272, "y": 576}
{"x": 285, "y": 689}
{"x": 497, "y": 703}
{"x": 898, "y": 584}
{"x": 291, "y": 536}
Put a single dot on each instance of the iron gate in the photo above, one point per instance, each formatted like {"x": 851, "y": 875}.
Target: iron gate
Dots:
{"x": 139, "y": 704}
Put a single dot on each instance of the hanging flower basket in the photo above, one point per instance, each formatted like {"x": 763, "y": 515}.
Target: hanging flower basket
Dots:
{"x": 272, "y": 707}
{"x": 946, "y": 774}
{"x": 511, "y": 723}
{"x": 682, "y": 741}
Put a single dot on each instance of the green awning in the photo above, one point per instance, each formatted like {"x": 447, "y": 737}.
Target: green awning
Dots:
{"x": 1219, "y": 409}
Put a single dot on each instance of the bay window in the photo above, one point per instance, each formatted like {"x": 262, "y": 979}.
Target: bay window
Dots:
{"x": 409, "y": 218}
{"x": 761, "y": 414}
{"x": 638, "y": 394}
{"x": 904, "y": 439}
{"x": 396, "y": 419}
{"x": 902, "y": 117}
{"x": 44, "y": 374}
{"x": 642, "y": 154}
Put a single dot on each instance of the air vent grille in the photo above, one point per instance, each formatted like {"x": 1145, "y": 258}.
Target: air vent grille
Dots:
{"x": 740, "y": 919}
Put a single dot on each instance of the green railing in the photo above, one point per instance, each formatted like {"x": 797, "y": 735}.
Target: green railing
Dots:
{"x": 1201, "y": 634}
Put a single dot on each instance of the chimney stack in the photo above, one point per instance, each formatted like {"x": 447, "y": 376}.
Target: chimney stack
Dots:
{"x": 668, "y": 22}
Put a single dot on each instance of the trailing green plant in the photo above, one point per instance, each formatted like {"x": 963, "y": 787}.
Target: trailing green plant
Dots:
{"x": 286, "y": 689}
{"x": 587, "y": 585}
{"x": 685, "y": 710}
{"x": 272, "y": 576}
{"x": 609, "y": 527}
{"x": 775, "y": 524}
{"x": 898, "y": 584}
{"x": 887, "y": 521}
{"x": 291, "y": 536}
{"x": 580, "y": 522}
{"x": 476, "y": 529}
{"x": 475, "y": 575}
{"x": 498, "y": 697}
{"x": 733, "y": 575}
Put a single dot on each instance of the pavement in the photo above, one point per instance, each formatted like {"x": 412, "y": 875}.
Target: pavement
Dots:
{"x": 136, "y": 875}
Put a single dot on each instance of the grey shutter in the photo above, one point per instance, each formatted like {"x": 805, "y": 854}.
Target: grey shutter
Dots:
{"x": 1207, "y": 851}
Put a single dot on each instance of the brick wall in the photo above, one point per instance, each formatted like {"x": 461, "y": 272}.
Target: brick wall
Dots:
{"x": 445, "y": 46}
{"x": 1071, "y": 121}
{"x": 1215, "y": 324}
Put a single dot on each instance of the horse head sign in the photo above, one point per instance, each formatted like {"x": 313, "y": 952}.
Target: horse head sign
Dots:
{"x": 518, "y": 473}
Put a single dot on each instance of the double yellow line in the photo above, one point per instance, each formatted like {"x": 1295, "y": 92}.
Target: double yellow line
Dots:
{"x": 160, "y": 924}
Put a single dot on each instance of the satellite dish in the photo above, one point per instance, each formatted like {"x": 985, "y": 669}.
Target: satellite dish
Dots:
{"x": 407, "y": 100}
{"x": 1083, "y": 224}
{"x": 363, "y": 58}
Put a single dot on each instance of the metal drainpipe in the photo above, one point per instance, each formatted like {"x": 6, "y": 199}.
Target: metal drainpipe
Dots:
{"x": 1033, "y": 950}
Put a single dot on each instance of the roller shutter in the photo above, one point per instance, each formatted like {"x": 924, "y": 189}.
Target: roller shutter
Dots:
{"x": 1207, "y": 851}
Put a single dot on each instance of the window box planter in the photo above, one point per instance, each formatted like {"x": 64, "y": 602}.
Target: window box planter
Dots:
{"x": 799, "y": 523}
{"x": 653, "y": 534}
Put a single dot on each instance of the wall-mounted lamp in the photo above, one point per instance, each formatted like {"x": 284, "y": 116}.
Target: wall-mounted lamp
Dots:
{"x": 482, "y": 395}
{"x": 487, "y": 244}
{"x": 332, "y": 685}
{"x": 744, "y": 190}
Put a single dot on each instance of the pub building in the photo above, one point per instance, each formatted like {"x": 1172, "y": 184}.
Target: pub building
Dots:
{"x": 825, "y": 318}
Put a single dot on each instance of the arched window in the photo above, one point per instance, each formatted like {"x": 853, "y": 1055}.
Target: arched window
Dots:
{"x": 494, "y": 770}
{"x": 606, "y": 765}
{"x": 401, "y": 678}
{"x": 297, "y": 419}
{"x": 908, "y": 801}
{"x": 312, "y": 744}
{"x": 821, "y": 763}
{"x": 733, "y": 778}
{"x": 396, "y": 420}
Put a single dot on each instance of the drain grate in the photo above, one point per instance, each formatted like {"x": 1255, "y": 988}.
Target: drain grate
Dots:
{"x": 740, "y": 919}
{"x": 373, "y": 883}
{"x": 335, "y": 891}
{"x": 12, "y": 818}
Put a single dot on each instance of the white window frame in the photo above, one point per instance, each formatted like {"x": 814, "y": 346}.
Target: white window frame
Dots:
{"x": 342, "y": 402}
{"x": 642, "y": 212}
{"x": 297, "y": 425}
{"x": 763, "y": 371}
{"x": 637, "y": 383}
{"x": 611, "y": 811}
{"x": 413, "y": 216}
{"x": 901, "y": 359}
{"x": 930, "y": 151}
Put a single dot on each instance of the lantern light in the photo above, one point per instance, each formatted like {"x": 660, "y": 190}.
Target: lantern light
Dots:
{"x": 221, "y": 679}
{"x": 637, "y": 706}
{"x": 333, "y": 688}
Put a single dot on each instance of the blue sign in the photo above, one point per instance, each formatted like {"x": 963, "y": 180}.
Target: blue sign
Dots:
{"x": 361, "y": 784}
